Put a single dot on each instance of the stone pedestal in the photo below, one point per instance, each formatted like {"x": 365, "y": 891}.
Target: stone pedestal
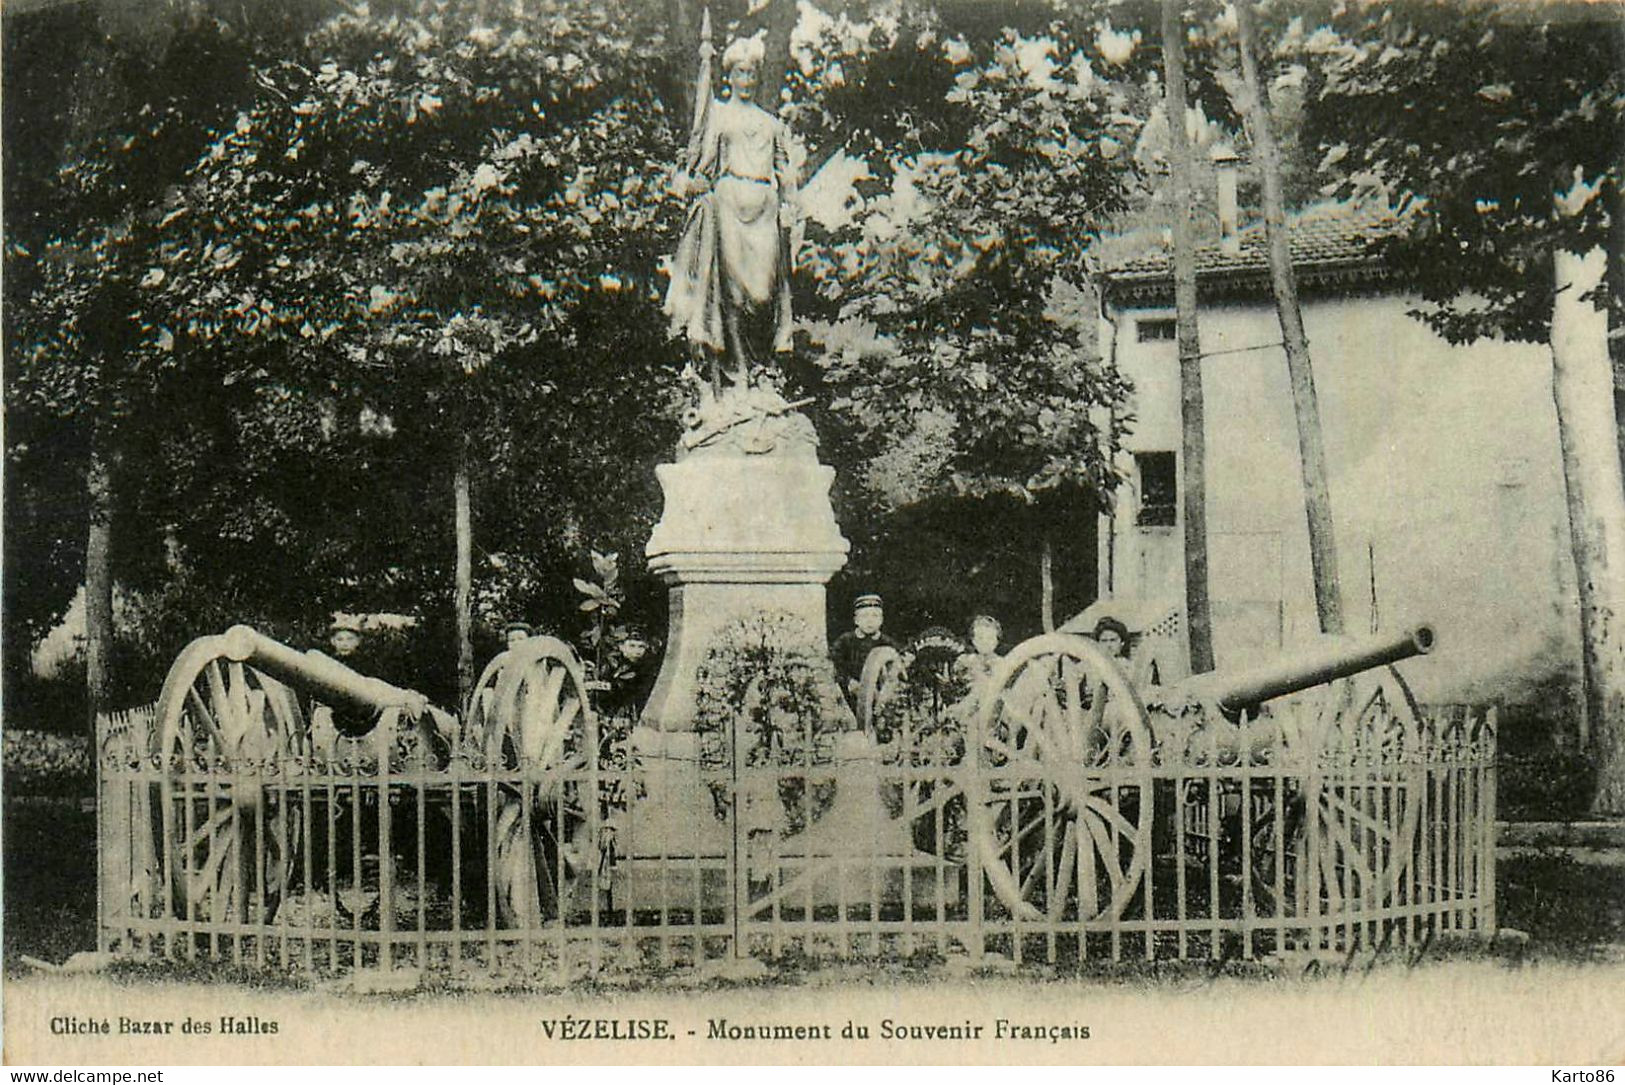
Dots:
{"x": 748, "y": 528}
{"x": 740, "y": 533}
{"x": 680, "y": 850}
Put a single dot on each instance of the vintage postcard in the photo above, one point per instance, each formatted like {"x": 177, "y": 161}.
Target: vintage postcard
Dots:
{"x": 813, "y": 531}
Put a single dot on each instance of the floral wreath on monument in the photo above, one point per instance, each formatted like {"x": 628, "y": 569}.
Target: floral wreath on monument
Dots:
{"x": 925, "y": 707}
{"x": 766, "y": 672}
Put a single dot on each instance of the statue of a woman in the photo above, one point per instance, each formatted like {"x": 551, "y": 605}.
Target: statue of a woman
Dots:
{"x": 730, "y": 279}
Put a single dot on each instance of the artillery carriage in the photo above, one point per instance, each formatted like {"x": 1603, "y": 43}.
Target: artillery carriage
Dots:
{"x": 1055, "y": 795}
{"x": 1077, "y": 782}
{"x": 245, "y": 733}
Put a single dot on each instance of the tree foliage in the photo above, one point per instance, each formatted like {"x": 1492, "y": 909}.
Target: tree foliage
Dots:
{"x": 955, "y": 339}
{"x": 1500, "y": 128}
{"x": 405, "y": 227}
{"x": 1472, "y": 115}
{"x": 110, "y": 106}
{"x": 393, "y": 228}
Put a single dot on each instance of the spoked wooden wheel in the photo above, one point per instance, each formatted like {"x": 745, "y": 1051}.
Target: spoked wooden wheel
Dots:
{"x": 476, "y": 721}
{"x": 231, "y": 839}
{"x": 541, "y": 729}
{"x": 1063, "y": 828}
{"x": 881, "y": 683}
{"x": 1349, "y": 831}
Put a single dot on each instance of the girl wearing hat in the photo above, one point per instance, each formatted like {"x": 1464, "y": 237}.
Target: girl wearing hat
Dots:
{"x": 976, "y": 666}
{"x": 1112, "y": 635}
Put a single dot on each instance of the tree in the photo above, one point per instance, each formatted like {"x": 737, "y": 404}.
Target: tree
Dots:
{"x": 952, "y": 312}
{"x": 1305, "y": 405}
{"x": 418, "y": 229}
{"x": 80, "y": 216}
{"x": 1499, "y": 130}
{"x": 1198, "y": 619}
{"x": 426, "y": 196}
{"x": 1582, "y": 387}
{"x": 949, "y": 358}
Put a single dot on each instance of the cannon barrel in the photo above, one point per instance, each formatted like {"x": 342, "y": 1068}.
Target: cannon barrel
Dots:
{"x": 1241, "y": 690}
{"x": 324, "y": 677}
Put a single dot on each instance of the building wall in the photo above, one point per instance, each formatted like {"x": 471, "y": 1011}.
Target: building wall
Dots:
{"x": 1446, "y": 489}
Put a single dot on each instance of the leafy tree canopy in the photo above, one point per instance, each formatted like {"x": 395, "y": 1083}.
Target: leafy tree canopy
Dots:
{"x": 416, "y": 225}
{"x": 952, "y": 330}
{"x": 1472, "y": 116}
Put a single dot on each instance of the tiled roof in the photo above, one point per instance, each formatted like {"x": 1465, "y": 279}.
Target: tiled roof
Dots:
{"x": 1325, "y": 239}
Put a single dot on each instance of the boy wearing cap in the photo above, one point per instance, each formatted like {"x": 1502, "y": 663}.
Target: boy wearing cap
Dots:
{"x": 344, "y": 637}
{"x": 634, "y": 679}
{"x": 852, "y": 648}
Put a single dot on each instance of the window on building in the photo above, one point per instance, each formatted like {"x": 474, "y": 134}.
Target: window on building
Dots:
{"x": 1151, "y": 330}
{"x": 1159, "y": 489}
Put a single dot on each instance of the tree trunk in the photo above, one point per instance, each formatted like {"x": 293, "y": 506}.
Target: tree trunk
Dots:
{"x": 1582, "y": 388}
{"x": 1616, "y": 284}
{"x": 1046, "y": 585}
{"x": 683, "y": 38}
{"x": 1317, "y": 502}
{"x": 99, "y": 581}
{"x": 781, "y": 24}
{"x": 465, "y": 577}
{"x": 1198, "y": 621}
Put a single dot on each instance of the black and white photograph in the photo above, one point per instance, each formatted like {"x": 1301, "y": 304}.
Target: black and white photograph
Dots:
{"x": 813, "y": 531}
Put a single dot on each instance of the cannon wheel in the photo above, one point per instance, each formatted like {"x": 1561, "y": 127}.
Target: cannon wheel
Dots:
{"x": 476, "y": 719}
{"x": 881, "y": 681}
{"x": 227, "y": 840}
{"x": 1066, "y": 813}
{"x": 539, "y": 724}
{"x": 1359, "y": 743}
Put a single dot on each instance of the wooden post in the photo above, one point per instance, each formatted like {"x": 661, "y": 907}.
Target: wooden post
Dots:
{"x": 1486, "y": 766}
{"x": 1046, "y": 585}
{"x": 1317, "y": 502}
{"x": 1198, "y": 618}
{"x": 465, "y": 576}
{"x": 99, "y": 582}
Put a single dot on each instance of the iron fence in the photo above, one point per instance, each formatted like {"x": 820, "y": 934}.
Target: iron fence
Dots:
{"x": 602, "y": 847}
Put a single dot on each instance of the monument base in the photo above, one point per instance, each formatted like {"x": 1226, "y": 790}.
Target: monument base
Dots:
{"x": 746, "y": 542}
{"x": 740, "y": 535}
{"x": 698, "y": 837}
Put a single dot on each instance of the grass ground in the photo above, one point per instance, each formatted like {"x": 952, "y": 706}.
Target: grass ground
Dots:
{"x": 1571, "y": 909}
{"x": 49, "y": 881}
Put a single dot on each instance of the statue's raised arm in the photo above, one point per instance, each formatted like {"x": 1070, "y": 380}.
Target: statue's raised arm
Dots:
{"x": 730, "y": 277}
